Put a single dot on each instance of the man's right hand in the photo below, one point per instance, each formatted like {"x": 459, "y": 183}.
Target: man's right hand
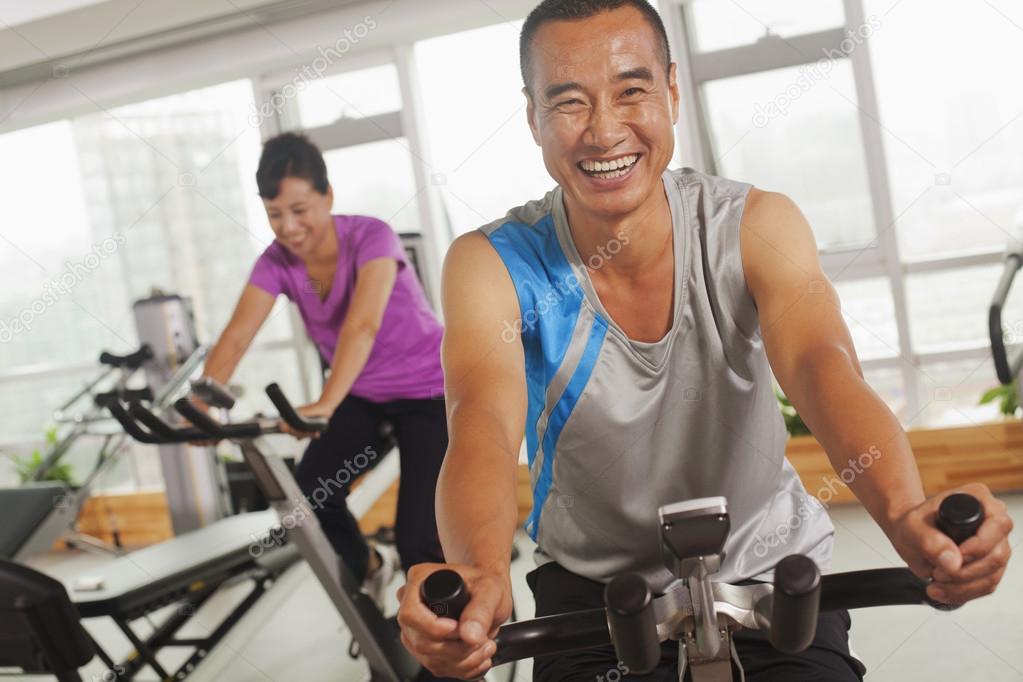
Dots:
{"x": 450, "y": 648}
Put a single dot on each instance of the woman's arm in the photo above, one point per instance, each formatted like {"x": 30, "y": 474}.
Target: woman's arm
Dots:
{"x": 254, "y": 306}
{"x": 373, "y": 285}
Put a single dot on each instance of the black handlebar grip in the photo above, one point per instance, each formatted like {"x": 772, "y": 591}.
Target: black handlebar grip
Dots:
{"x": 200, "y": 419}
{"x": 134, "y": 395}
{"x": 129, "y": 425}
{"x": 633, "y": 624}
{"x": 106, "y": 399}
{"x": 163, "y": 430}
{"x": 290, "y": 415}
{"x": 132, "y": 360}
{"x": 444, "y": 592}
{"x": 794, "y": 604}
{"x": 959, "y": 516}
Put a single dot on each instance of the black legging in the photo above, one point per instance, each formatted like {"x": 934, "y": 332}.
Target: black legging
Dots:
{"x": 352, "y": 445}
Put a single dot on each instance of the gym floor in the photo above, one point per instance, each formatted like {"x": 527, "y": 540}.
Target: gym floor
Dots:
{"x": 294, "y": 633}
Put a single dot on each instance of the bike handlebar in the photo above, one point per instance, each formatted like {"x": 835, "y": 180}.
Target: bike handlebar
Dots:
{"x": 290, "y": 415}
{"x": 212, "y": 427}
{"x": 632, "y": 622}
{"x": 626, "y": 621}
{"x": 117, "y": 411}
{"x": 132, "y": 360}
{"x": 1006, "y": 368}
{"x": 204, "y": 427}
{"x": 161, "y": 429}
{"x": 795, "y": 603}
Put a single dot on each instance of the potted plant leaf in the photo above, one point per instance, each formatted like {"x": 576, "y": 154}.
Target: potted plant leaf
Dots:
{"x": 26, "y": 467}
{"x": 1007, "y": 397}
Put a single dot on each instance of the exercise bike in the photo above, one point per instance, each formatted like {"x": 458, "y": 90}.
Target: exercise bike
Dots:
{"x": 698, "y": 612}
{"x": 377, "y": 637}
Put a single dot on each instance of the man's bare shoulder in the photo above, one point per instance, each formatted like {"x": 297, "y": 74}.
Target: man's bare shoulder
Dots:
{"x": 471, "y": 255}
{"x": 766, "y": 209}
{"x": 775, "y": 240}
{"x": 475, "y": 276}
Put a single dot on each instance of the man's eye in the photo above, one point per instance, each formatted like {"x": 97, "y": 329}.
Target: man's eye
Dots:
{"x": 633, "y": 91}
{"x": 569, "y": 102}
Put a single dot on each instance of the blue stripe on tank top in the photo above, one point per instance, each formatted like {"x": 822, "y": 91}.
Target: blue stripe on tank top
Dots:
{"x": 559, "y": 417}
{"x": 537, "y": 267}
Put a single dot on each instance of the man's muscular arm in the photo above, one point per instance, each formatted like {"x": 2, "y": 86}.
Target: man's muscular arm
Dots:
{"x": 813, "y": 358}
{"x": 485, "y": 386}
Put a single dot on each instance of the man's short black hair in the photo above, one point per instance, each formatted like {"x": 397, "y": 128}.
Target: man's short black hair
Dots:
{"x": 290, "y": 155}
{"x": 560, "y": 10}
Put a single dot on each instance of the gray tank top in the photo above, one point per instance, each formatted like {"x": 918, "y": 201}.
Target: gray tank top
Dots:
{"x": 617, "y": 428}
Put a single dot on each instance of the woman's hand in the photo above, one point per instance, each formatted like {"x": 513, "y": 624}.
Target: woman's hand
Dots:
{"x": 317, "y": 409}
{"x": 971, "y": 570}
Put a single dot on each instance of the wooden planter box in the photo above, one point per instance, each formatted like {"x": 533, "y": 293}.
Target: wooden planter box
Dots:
{"x": 990, "y": 453}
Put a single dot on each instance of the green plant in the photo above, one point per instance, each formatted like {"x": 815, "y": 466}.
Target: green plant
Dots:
{"x": 26, "y": 467}
{"x": 793, "y": 422}
{"x": 1007, "y": 396}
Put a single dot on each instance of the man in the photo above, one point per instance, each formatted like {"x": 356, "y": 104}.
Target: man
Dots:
{"x": 629, "y": 323}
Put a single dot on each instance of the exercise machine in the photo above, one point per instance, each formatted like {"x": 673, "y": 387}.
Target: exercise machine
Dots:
{"x": 195, "y": 483}
{"x": 1008, "y": 367}
{"x": 698, "y": 612}
{"x": 41, "y": 511}
{"x": 376, "y": 636}
{"x": 40, "y": 629}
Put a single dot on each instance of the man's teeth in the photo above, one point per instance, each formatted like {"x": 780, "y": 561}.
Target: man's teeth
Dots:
{"x": 609, "y": 169}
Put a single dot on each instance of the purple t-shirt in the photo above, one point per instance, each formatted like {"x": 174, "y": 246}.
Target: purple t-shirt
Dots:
{"x": 405, "y": 360}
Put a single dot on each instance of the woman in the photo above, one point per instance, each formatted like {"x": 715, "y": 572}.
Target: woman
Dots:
{"x": 365, "y": 310}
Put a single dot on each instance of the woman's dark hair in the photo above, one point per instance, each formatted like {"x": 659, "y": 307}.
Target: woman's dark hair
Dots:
{"x": 290, "y": 155}
{"x": 562, "y": 10}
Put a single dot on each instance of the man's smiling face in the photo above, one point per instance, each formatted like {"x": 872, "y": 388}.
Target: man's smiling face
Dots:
{"x": 603, "y": 109}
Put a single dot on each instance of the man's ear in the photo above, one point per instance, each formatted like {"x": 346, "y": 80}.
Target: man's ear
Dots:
{"x": 531, "y": 115}
{"x": 673, "y": 90}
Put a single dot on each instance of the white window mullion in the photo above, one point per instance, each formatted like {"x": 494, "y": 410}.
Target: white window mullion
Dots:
{"x": 431, "y": 215}
{"x": 953, "y": 262}
{"x": 767, "y": 54}
{"x": 356, "y": 131}
{"x": 852, "y": 264}
{"x": 880, "y": 192}
{"x": 688, "y": 134}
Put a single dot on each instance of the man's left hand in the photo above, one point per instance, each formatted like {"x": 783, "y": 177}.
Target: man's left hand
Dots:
{"x": 961, "y": 573}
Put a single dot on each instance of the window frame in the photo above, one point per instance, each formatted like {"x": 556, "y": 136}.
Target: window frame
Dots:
{"x": 881, "y": 258}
